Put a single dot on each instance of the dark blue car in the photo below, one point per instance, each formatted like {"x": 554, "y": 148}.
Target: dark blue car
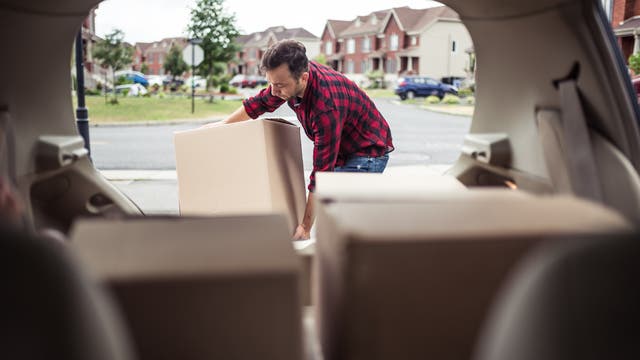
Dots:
{"x": 413, "y": 86}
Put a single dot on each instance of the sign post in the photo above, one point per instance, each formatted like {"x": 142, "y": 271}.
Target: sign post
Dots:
{"x": 193, "y": 55}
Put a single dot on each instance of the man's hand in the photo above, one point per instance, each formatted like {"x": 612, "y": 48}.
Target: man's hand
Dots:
{"x": 301, "y": 233}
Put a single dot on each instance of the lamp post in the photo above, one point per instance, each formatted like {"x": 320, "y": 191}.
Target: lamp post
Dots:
{"x": 193, "y": 43}
{"x": 82, "y": 113}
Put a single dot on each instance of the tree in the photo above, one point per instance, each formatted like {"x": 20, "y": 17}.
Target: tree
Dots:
{"x": 634, "y": 63}
{"x": 321, "y": 59}
{"x": 217, "y": 31}
{"x": 113, "y": 53}
{"x": 144, "y": 68}
{"x": 174, "y": 64}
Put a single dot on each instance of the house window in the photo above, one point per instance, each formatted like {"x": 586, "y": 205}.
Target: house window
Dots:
{"x": 366, "y": 44}
{"x": 391, "y": 66}
{"x": 351, "y": 46}
{"x": 328, "y": 48}
{"x": 414, "y": 40}
{"x": 393, "y": 42}
{"x": 350, "y": 65}
{"x": 363, "y": 66}
{"x": 252, "y": 53}
{"x": 160, "y": 59}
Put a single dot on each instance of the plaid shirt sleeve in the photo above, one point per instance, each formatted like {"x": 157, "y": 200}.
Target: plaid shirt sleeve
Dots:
{"x": 327, "y": 128}
{"x": 261, "y": 103}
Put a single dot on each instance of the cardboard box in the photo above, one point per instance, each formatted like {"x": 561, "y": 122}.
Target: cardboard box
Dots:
{"x": 342, "y": 186}
{"x": 414, "y": 279}
{"x": 206, "y": 288}
{"x": 248, "y": 167}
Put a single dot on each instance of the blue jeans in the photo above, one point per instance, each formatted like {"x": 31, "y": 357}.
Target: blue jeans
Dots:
{"x": 364, "y": 164}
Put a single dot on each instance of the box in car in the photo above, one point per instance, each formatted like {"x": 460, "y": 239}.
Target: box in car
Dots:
{"x": 391, "y": 185}
{"x": 246, "y": 167}
{"x": 413, "y": 279}
{"x": 200, "y": 288}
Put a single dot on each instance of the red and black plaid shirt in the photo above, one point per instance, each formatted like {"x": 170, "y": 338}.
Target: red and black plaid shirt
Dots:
{"x": 336, "y": 115}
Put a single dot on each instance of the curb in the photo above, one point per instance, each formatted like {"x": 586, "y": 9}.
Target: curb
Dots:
{"x": 171, "y": 175}
{"x": 156, "y": 122}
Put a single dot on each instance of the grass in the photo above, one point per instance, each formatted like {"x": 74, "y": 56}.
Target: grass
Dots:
{"x": 132, "y": 109}
{"x": 380, "y": 93}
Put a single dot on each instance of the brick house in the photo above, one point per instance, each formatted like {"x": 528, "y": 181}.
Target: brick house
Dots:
{"x": 93, "y": 72}
{"x": 253, "y": 46}
{"x": 331, "y": 47}
{"x": 153, "y": 54}
{"x": 625, "y": 21}
{"x": 430, "y": 42}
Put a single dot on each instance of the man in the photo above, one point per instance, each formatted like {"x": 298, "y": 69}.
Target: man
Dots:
{"x": 348, "y": 131}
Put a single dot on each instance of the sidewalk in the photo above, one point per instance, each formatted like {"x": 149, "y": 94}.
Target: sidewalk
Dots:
{"x": 156, "y": 191}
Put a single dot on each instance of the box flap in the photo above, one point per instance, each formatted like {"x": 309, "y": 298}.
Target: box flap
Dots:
{"x": 170, "y": 247}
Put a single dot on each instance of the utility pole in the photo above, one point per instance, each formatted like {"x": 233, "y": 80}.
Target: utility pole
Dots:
{"x": 82, "y": 113}
{"x": 194, "y": 43}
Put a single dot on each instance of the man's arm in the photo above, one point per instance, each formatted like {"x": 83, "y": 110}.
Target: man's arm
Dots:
{"x": 303, "y": 232}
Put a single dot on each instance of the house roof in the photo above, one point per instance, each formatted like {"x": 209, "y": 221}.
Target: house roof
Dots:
{"x": 409, "y": 20}
{"x": 628, "y": 26}
{"x": 337, "y": 26}
{"x": 432, "y": 15}
{"x": 261, "y": 39}
{"x": 366, "y": 24}
{"x": 243, "y": 39}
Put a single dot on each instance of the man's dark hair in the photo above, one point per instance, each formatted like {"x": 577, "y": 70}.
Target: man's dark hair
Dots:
{"x": 289, "y": 52}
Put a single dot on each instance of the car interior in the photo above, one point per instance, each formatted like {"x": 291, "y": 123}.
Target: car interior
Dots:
{"x": 508, "y": 254}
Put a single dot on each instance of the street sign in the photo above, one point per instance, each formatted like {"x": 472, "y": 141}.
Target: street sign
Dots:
{"x": 193, "y": 55}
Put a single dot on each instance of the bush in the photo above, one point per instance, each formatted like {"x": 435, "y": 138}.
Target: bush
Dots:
{"x": 122, "y": 80}
{"x": 161, "y": 95}
{"x": 232, "y": 90}
{"x": 465, "y": 92}
{"x": 224, "y": 88}
{"x": 432, "y": 100}
{"x": 471, "y": 100}
{"x": 634, "y": 63}
{"x": 91, "y": 92}
{"x": 450, "y": 99}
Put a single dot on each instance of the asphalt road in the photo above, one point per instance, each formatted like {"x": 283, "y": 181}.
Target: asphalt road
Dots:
{"x": 421, "y": 137}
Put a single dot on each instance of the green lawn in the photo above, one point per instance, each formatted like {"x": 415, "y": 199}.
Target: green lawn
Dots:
{"x": 132, "y": 109}
{"x": 380, "y": 93}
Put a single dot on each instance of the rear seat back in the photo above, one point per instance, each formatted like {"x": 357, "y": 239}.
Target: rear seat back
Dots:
{"x": 412, "y": 279}
{"x": 577, "y": 299}
{"x": 50, "y": 308}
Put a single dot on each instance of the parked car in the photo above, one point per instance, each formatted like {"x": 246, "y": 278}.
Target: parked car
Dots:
{"x": 173, "y": 84}
{"x": 635, "y": 82}
{"x": 421, "y": 86}
{"x": 155, "y": 80}
{"x": 247, "y": 81}
{"x": 132, "y": 89}
{"x": 197, "y": 81}
{"x": 135, "y": 76}
{"x": 239, "y": 81}
{"x": 257, "y": 81}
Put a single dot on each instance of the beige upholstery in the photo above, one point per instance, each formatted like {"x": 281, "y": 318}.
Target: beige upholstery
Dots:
{"x": 619, "y": 181}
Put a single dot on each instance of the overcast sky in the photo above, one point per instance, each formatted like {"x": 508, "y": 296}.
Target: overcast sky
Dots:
{"x": 153, "y": 20}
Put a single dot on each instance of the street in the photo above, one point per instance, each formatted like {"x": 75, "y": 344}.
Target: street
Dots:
{"x": 140, "y": 161}
{"x": 421, "y": 137}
